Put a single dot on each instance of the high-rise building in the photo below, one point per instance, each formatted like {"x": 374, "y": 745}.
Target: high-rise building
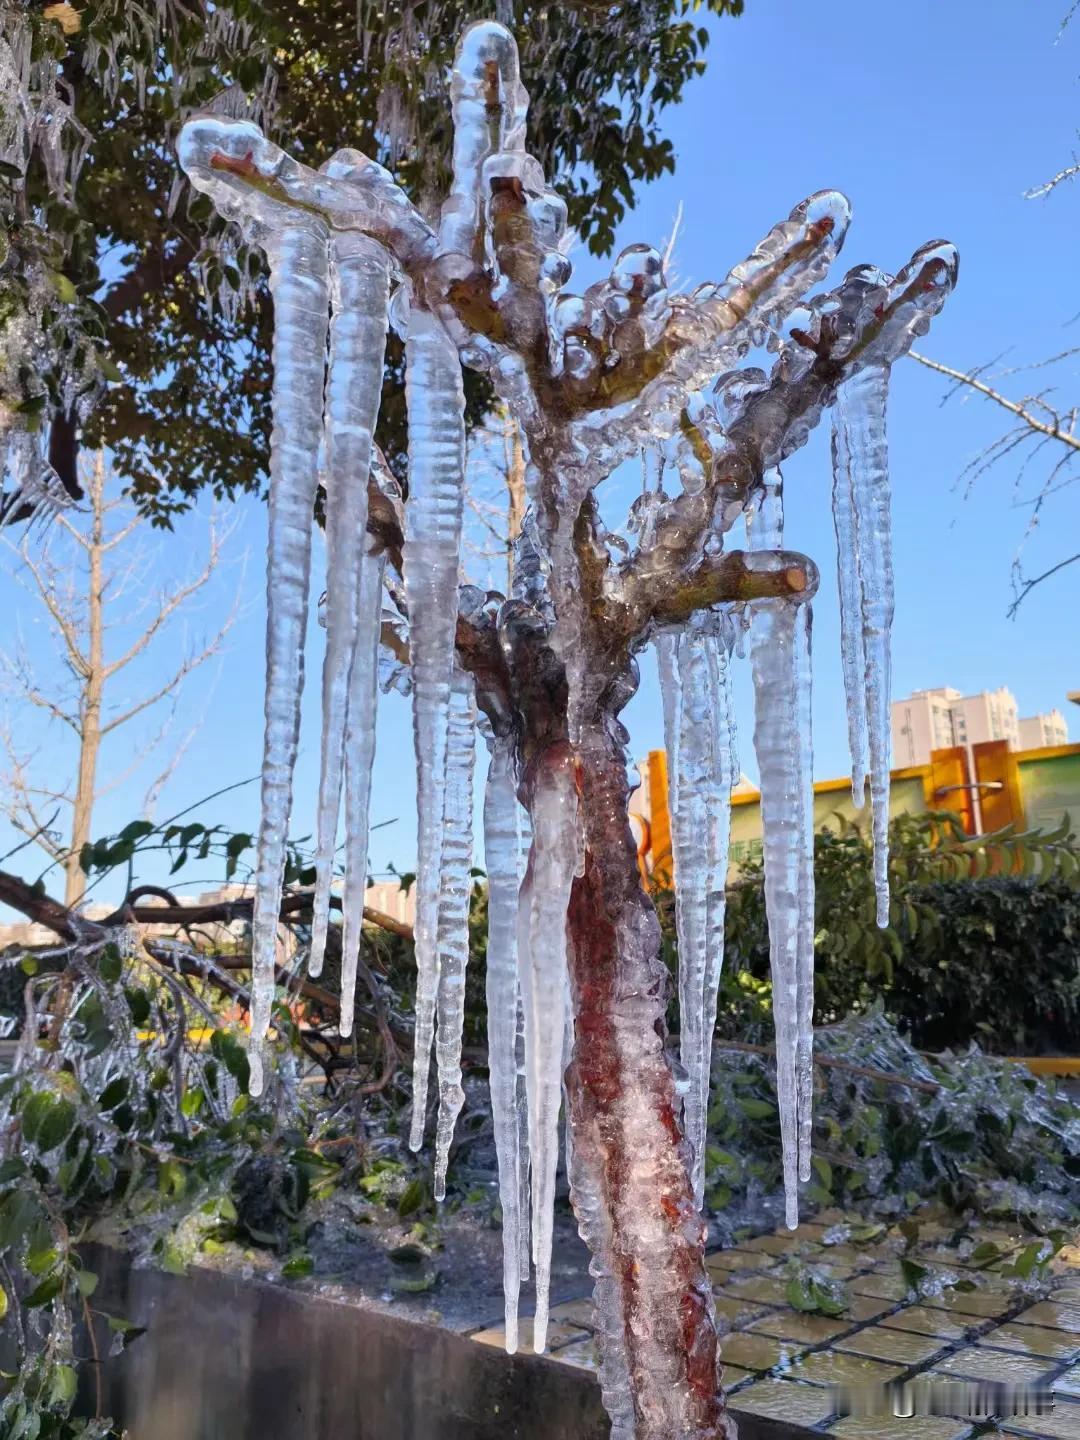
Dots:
{"x": 1041, "y": 731}
{"x": 941, "y": 719}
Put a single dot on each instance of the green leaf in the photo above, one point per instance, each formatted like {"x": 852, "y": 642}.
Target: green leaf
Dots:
{"x": 114, "y": 1093}
{"x": 64, "y": 1386}
{"x": 56, "y": 1125}
{"x": 87, "y": 1282}
{"x": 824, "y": 1170}
{"x": 413, "y": 1198}
{"x": 111, "y": 964}
{"x": 40, "y": 1262}
{"x": 48, "y": 1290}
{"x": 297, "y": 1266}
{"x": 65, "y": 291}
{"x": 755, "y": 1109}
{"x": 34, "y": 1112}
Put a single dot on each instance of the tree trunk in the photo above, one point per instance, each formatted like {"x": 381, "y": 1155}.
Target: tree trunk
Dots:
{"x": 630, "y": 1184}
{"x": 90, "y": 699}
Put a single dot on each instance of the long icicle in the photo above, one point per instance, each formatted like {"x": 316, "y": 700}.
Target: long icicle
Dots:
{"x": 860, "y": 411}
{"x": 804, "y": 955}
{"x": 776, "y": 713}
{"x": 845, "y": 523}
{"x": 692, "y": 879}
{"x": 299, "y": 284}
{"x": 436, "y": 405}
{"x": 545, "y": 896}
{"x": 359, "y": 760}
{"x": 723, "y": 777}
{"x": 502, "y": 858}
{"x": 667, "y": 664}
{"x": 360, "y": 282}
{"x": 780, "y": 661}
{"x": 453, "y": 930}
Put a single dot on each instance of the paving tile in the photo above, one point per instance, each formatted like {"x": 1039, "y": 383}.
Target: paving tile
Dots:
{"x": 883, "y": 1287}
{"x": 976, "y": 1363}
{"x": 833, "y": 1367}
{"x": 581, "y": 1354}
{"x": 558, "y": 1335}
{"x": 767, "y": 1288}
{"x": 738, "y": 1313}
{"x": 988, "y": 1304}
{"x": 867, "y": 1307}
{"x": 885, "y": 1427}
{"x": 793, "y": 1325}
{"x": 925, "y": 1321}
{"x": 1069, "y": 1383}
{"x": 1057, "y": 1315}
{"x": 759, "y": 1352}
{"x": 733, "y": 1375}
{"x": 785, "y": 1400}
{"x": 724, "y": 1261}
{"x": 902, "y": 1347}
{"x": 575, "y": 1312}
{"x": 1034, "y": 1340}
{"x": 1063, "y": 1424}
{"x": 782, "y": 1244}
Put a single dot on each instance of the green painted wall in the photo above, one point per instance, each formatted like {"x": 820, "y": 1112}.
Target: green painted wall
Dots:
{"x": 1050, "y": 788}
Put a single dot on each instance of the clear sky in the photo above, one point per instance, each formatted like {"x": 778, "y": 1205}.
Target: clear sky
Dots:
{"x": 934, "y": 118}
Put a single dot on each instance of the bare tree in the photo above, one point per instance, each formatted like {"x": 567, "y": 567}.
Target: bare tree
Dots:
{"x": 1044, "y": 430}
{"x": 82, "y": 578}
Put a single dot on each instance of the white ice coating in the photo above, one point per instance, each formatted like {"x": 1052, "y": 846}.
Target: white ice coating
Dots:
{"x": 453, "y": 929}
{"x": 359, "y": 760}
{"x": 436, "y": 406}
{"x": 861, "y": 472}
{"x": 545, "y": 895}
{"x": 853, "y": 660}
{"x": 701, "y": 830}
{"x": 360, "y": 281}
{"x": 299, "y": 283}
{"x": 502, "y": 856}
{"x": 782, "y": 739}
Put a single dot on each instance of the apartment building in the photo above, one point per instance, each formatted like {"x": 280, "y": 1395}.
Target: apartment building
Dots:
{"x": 940, "y": 719}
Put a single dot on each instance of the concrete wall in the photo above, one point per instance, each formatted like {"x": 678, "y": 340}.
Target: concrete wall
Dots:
{"x": 229, "y": 1359}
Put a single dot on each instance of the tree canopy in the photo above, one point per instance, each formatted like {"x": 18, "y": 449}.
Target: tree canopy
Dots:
{"x": 143, "y": 283}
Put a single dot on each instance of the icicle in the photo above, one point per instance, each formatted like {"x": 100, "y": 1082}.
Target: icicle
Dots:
{"x": 453, "y": 931}
{"x": 845, "y": 522}
{"x": 784, "y": 763}
{"x": 299, "y": 283}
{"x": 360, "y": 294}
{"x": 690, "y": 826}
{"x": 860, "y": 425}
{"x": 502, "y": 855}
{"x": 436, "y": 405}
{"x": 778, "y": 755}
{"x": 667, "y": 650}
{"x": 804, "y": 954}
{"x": 545, "y": 895}
{"x": 359, "y": 759}
{"x": 701, "y": 833}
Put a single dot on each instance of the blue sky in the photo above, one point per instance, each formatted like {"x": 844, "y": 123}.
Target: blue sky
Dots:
{"x": 934, "y": 119}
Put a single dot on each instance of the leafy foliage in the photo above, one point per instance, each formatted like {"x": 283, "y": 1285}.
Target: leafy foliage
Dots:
{"x": 968, "y": 917}
{"x": 980, "y": 1135}
{"x": 145, "y": 277}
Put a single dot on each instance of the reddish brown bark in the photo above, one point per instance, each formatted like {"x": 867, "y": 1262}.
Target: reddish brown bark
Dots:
{"x": 627, "y": 1138}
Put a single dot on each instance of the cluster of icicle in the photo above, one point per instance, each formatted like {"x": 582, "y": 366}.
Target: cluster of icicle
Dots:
{"x": 331, "y": 285}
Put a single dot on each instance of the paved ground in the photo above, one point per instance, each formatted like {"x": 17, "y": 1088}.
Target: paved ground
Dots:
{"x": 779, "y": 1361}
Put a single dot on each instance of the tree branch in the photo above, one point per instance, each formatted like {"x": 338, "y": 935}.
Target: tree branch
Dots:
{"x": 971, "y": 380}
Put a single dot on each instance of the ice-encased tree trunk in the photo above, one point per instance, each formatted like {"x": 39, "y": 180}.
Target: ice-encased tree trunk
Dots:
{"x": 590, "y": 380}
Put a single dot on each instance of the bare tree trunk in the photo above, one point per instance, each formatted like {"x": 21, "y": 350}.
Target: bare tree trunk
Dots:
{"x": 631, "y": 1186}
{"x": 91, "y": 699}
